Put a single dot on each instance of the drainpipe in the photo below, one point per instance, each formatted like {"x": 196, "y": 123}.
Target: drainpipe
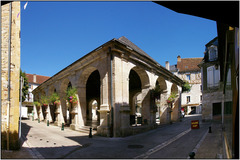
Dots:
{"x": 111, "y": 74}
{"x": 20, "y": 108}
{"x": 9, "y": 71}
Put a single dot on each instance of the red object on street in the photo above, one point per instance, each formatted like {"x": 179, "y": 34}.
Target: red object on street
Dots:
{"x": 195, "y": 124}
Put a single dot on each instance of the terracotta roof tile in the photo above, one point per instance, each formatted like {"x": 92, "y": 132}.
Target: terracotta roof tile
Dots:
{"x": 39, "y": 79}
{"x": 188, "y": 64}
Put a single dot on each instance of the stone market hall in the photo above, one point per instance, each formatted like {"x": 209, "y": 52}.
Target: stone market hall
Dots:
{"x": 120, "y": 91}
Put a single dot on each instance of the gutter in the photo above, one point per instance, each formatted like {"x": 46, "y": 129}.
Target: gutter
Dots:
{"x": 111, "y": 99}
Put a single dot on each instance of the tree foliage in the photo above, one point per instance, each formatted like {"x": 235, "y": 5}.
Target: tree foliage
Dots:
{"x": 25, "y": 85}
{"x": 186, "y": 87}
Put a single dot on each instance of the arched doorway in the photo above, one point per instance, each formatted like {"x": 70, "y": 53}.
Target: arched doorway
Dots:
{"x": 69, "y": 108}
{"x": 135, "y": 88}
{"x": 160, "y": 96}
{"x": 93, "y": 99}
{"x": 52, "y": 106}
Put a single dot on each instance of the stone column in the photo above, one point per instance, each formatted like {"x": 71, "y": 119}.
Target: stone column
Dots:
{"x": 125, "y": 120}
{"x": 40, "y": 114}
{"x": 58, "y": 113}
{"x": 63, "y": 107}
{"x": 48, "y": 114}
{"x": 103, "y": 129}
{"x": 146, "y": 116}
{"x": 81, "y": 106}
{"x": 75, "y": 124}
{"x": 35, "y": 113}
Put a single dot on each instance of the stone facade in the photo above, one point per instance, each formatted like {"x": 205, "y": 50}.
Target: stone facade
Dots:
{"x": 120, "y": 77}
{"x": 213, "y": 97}
{"x": 10, "y": 109}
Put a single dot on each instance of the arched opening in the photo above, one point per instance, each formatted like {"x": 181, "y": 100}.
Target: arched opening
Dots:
{"x": 44, "y": 107}
{"x": 53, "y": 107}
{"x": 160, "y": 95}
{"x": 69, "y": 108}
{"x": 175, "y": 111}
{"x": 93, "y": 99}
{"x": 135, "y": 88}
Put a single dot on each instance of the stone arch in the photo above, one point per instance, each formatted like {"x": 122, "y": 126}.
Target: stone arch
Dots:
{"x": 160, "y": 99}
{"x": 84, "y": 96}
{"x": 93, "y": 87}
{"x": 143, "y": 76}
{"x": 139, "y": 85}
{"x": 65, "y": 109}
{"x": 174, "y": 88}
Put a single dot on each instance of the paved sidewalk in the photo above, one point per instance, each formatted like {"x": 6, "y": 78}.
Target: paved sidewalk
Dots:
{"x": 212, "y": 146}
{"x": 23, "y": 153}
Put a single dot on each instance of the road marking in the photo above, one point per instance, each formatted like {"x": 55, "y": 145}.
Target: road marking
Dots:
{"x": 162, "y": 145}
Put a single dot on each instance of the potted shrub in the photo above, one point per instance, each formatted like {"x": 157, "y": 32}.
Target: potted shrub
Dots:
{"x": 44, "y": 100}
{"x": 55, "y": 99}
{"x": 36, "y": 103}
{"x": 71, "y": 96}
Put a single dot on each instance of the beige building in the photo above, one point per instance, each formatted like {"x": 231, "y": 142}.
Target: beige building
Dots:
{"x": 33, "y": 82}
{"x": 10, "y": 71}
{"x": 187, "y": 69}
{"x": 120, "y": 78}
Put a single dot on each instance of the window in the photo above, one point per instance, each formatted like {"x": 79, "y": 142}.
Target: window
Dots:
{"x": 201, "y": 98}
{"x": 188, "y": 77}
{"x": 200, "y": 87}
{"x": 213, "y": 76}
{"x": 212, "y": 51}
{"x": 188, "y": 99}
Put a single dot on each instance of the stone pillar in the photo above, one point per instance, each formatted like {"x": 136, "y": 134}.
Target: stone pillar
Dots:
{"x": 35, "y": 113}
{"x": 146, "y": 116}
{"x": 63, "y": 108}
{"x": 81, "y": 106}
{"x": 41, "y": 113}
{"x": 125, "y": 120}
{"x": 103, "y": 129}
{"x": 59, "y": 117}
{"x": 75, "y": 124}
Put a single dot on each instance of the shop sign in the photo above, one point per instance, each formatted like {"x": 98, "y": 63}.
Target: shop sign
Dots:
{"x": 195, "y": 124}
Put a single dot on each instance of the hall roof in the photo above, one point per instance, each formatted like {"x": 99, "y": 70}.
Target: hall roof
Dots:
{"x": 127, "y": 42}
{"x": 124, "y": 41}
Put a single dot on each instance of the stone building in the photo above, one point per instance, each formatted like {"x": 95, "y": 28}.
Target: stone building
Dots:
{"x": 212, "y": 87}
{"x": 187, "y": 69}
{"x": 33, "y": 82}
{"x": 10, "y": 71}
{"x": 120, "y": 78}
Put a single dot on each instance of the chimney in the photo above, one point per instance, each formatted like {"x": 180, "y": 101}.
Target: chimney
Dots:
{"x": 178, "y": 58}
{"x": 167, "y": 65}
{"x": 34, "y": 78}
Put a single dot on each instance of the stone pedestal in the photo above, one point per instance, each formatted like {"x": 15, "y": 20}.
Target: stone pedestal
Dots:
{"x": 57, "y": 113}
{"x": 103, "y": 129}
{"x": 125, "y": 120}
{"x": 74, "y": 125}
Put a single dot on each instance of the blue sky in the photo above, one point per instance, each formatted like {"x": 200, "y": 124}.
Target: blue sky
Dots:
{"x": 55, "y": 34}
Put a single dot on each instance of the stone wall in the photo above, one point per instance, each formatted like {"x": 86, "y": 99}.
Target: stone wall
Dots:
{"x": 14, "y": 75}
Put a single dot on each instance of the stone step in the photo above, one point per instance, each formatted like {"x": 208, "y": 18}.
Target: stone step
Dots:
{"x": 86, "y": 129}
